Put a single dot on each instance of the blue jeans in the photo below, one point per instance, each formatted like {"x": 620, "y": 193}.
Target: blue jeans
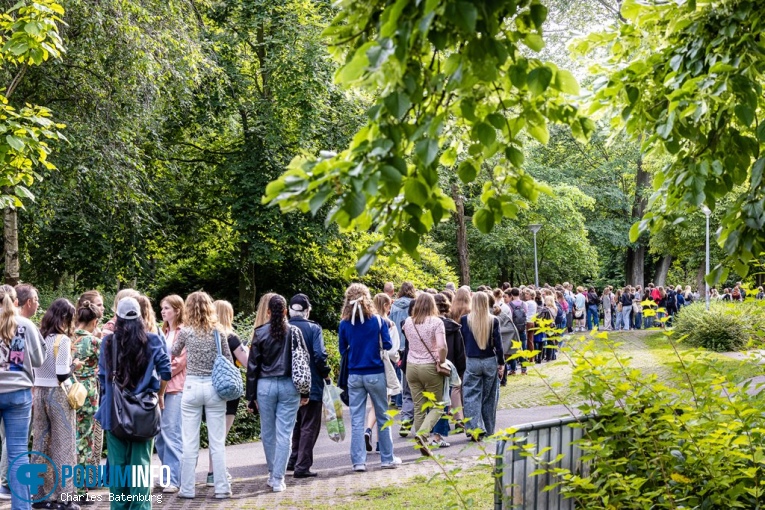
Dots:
{"x": 169, "y": 441}
{"x": 278, "y": 403}
{"x": 480, "y": 391}
{"x": 359, "y": 386}
{"x": 639, "y": 320}
{"x": 593, "y": 319}
{"x": 16, "y": 413}
{"x": 626, "y": 311}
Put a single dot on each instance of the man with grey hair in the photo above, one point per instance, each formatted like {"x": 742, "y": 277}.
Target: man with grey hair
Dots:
{"x": 450, "y": 286}
{"x": 308, "y": 424}
{"x": 390, "y": 290}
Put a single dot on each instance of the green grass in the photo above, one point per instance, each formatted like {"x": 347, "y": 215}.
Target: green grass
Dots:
{"x": 475, "y": 485}
{"x": 650, "y": 351}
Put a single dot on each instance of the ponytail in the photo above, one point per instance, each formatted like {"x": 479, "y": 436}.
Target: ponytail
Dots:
{"x": 8, "y": 322}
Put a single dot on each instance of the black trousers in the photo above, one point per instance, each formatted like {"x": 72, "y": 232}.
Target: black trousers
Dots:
{"x": 304, "y": 436}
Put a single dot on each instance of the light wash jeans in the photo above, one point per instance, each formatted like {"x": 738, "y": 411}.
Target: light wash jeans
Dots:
{"x": 199, "y": 394}
{"x": 626, "y": 311}
{"x": 359, "y": 386}
{"x": 618, "y": 320}
{"x": 169, "y": 441}
{"x": 16, "y": 413}
{"x": 480, "y": 393}
{"x": 278, "y": 404}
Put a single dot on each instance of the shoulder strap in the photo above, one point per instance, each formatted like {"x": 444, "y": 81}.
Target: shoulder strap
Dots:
{"x": 423, "y": 342}
{"x": 217, "y": 341}
{"x": 379, "y": 331}
{"x": 56, "y": 343}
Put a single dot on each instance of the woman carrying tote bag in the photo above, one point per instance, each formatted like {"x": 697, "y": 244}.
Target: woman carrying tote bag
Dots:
{"x": 198, "y": 337}
{"x": 271, "y": 387}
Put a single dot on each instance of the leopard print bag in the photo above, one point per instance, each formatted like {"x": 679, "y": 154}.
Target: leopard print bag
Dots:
{"x": 301, "y": 367}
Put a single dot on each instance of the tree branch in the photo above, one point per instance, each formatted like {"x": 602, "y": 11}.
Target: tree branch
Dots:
{"x": 16, "y": 80}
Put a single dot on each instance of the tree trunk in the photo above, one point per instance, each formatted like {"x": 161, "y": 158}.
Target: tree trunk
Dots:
{"x": 660, "y": 278}
{"x": 700, "y": 277}
{"x": 247, "y": 287}
{"x": 635, "y": 264}
{"x": 463, "y": 259}
{"x": 11, "y": 241}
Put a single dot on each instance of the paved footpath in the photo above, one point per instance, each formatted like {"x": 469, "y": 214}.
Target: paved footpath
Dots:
{"x": 336, "y": 480}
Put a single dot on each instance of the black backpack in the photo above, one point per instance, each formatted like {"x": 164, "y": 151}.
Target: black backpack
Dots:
{"x": 519, "y": 317}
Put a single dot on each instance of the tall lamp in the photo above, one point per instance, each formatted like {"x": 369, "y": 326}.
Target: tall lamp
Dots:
{"x": 534, "y": 229}
{"x": 706, "y": 212}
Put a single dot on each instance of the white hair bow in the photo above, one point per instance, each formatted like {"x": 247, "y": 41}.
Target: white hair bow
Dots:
{"x": 357, "y": 308}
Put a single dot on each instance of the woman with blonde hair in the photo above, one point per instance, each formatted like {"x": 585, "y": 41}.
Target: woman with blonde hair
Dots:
{"x": 148, "y": 315}
{"x": 484, "y": 368}
{"x": 382, "y": 303}
{"x": 261, "y": 314}
{"x": 21, "y": 351}
{"x": 460, "y": 303}
{"x": 225, "y": 313}
{"x": 199, "y": 337}
{"x": 360, "y": 334}
{"x": 169, "y": 441}
{"x": 426, "y": 334}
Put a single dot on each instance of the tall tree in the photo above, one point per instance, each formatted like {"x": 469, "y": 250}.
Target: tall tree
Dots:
{"x": 28, "y": 37}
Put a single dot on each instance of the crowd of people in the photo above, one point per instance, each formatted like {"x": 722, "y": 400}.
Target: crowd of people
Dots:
{"x": 399, "y": 348}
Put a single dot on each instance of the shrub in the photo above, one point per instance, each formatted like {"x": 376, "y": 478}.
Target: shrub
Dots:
{"x": 725, "y": 327}
{"x": 696, "y": 441}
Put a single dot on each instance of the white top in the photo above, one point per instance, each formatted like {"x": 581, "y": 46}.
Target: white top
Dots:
{"x": 45, "y": 376}
{"x": 531, "y": 310}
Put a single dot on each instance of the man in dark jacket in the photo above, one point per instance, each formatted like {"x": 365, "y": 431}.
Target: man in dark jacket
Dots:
{"x": 308, "y": 424}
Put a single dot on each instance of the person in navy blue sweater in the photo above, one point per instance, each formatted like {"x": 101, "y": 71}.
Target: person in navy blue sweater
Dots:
{"x": 362, "y": 335}
{"x": 485, "y": 366}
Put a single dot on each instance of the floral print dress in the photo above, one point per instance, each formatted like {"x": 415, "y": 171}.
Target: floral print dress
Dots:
{"x": 89, "y": 434}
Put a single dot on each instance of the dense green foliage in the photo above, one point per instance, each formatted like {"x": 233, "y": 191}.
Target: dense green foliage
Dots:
{"x": 688, "y": 76}
{"x": 453, "y": 87}
{"x": 694, "y": 441}
{"x": 726, "y": 327}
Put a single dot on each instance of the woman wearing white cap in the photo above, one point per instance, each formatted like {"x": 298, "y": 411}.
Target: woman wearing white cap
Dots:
{"x": 148, "y": 364}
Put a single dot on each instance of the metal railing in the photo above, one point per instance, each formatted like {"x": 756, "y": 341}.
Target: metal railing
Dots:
{"x": 514, "y": 487}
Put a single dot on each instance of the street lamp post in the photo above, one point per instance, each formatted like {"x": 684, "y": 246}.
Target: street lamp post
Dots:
{"x": 707, "y": 212}
{"x": 534, "y": 229}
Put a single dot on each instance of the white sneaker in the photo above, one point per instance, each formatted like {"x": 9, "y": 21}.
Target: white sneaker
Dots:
{"x": 279, "y": 487}
{"x": 270, "y": 482}
{"x": 392, "y": 464}
{"x": 170, "y": 489}
{"x": 359, "y": 468}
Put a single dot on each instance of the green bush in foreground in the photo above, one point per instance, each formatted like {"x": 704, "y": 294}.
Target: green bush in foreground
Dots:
{"x": 725, "y": 327}
{"x": 695, "y": 441}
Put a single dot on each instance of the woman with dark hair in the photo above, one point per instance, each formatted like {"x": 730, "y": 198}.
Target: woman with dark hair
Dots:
{"x": 270, "y": 389}
{"x": 360, "y": 334}
{"x": 148, "y": 364}
{"x": 198, "y": 338}
{"x": 21, "y": 351}
{"x": 455, "y": 353}
{"x": 86, "y": 348}
{"x": 53, "y": 425}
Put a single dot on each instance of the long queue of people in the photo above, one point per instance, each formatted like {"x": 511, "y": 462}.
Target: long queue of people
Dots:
{"x": 398, "y": 348}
